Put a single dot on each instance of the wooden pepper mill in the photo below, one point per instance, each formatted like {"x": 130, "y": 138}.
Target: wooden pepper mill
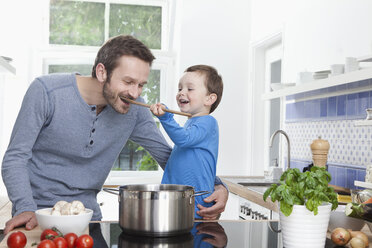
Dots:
{"x": 319, "y": 149}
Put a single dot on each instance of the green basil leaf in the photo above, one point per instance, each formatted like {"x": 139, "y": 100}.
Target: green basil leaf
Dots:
{"x": 285, "y": 208}
{"x": 267, "y": 193}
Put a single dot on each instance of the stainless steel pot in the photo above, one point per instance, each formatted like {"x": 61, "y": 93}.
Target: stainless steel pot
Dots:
{"x": 156, "y": 209}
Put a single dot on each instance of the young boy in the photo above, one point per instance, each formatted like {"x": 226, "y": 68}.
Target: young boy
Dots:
{"x": 194, "y": 156}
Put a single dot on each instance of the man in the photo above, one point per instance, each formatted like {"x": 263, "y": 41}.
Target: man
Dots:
{"x": 71, "y": 128}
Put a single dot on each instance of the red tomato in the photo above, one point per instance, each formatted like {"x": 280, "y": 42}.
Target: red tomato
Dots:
{"x": 46, "y": 243}
{"x": 84, "y": 241}
{"x": 48, "y": 234}
{"x": 17, "y": 240}
{"x": 60, "y": 242}
{"x": 71, "y": 239}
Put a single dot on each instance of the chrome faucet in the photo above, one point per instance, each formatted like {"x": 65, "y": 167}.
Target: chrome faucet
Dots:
{"x": 289, "y": 147}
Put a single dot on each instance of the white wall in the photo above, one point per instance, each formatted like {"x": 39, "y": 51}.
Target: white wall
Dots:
{"x": 20, "y": 35}
{"x": 216, "y": 32}
{"x": 317, "y": 33}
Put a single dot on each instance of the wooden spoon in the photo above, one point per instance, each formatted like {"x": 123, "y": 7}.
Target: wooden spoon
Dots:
{"x": 148, "y": 106}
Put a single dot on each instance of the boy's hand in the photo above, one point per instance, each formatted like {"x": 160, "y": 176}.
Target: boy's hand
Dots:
{"x": 220, "y": 196}
{"x": 157, "y": 109}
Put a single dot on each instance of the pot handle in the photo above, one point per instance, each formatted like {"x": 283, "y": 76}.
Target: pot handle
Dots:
{"x": 198, "y": 193}
{"x": 111, "y": 191}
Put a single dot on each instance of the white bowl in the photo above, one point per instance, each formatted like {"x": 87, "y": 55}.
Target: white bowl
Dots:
{"x": 339, "y": 219}
{"x": 64, "y": 223}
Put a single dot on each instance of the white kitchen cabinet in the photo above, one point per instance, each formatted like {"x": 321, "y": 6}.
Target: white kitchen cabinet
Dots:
{"x": 350, "y": 77}
{"x": 238, "y": 207}
{"x": 232, "y": 208}
{"x": 363, "y": 123}
{"x": 109, "y": 204}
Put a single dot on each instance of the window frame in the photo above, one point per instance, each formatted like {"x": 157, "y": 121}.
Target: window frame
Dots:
{"x": 57, "y": 54}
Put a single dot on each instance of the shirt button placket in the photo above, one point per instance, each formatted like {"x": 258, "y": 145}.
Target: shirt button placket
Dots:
{"x": 91, "y": 142}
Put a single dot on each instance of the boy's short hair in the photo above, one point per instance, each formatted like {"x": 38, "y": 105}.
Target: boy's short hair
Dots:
{"x": 213, "y": 81}
{"x": 118, "y": 46}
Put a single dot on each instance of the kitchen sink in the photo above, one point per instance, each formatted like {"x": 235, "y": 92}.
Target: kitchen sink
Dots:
{"x": 257, "y": 184}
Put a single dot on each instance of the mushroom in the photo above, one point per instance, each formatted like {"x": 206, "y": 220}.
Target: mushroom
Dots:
{"x": 77, "y": 207}
{"x": 57, "y": 207}
{"x": 66, "y": 209}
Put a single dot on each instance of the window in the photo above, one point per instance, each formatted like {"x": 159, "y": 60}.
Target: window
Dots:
{"x": 133, "y": 157}
{"x": 77, "y": 29}
{"x": 84, "y": 23}
{"x": 265, "y": 116}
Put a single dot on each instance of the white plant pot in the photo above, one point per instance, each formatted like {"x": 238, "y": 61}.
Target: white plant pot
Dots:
{"x": 304, "y": 229}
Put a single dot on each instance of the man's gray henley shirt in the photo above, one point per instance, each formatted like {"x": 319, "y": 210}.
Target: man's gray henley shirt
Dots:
{"x": 61, "y": 150}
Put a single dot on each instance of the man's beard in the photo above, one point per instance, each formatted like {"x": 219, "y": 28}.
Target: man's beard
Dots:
{"x": 111, "y": 99}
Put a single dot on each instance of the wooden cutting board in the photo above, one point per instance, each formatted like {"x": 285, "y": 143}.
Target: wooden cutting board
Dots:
{"x": 31, "y": 235}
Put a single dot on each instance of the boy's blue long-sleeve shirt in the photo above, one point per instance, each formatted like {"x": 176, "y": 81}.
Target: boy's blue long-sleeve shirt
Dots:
{"x": 194, "y": 156}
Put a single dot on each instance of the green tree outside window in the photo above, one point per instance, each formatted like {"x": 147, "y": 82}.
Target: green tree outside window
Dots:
{"x": 77, "y": 23}
{"x": 83, "y": 23}
{"x": 142, "y": 22}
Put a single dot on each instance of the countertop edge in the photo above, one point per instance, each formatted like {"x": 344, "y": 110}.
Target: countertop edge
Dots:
{"x": 250, "y": 195}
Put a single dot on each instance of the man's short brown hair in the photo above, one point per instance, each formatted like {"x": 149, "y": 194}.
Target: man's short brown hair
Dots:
{"x": 118, "y": 46}
{"x": 213, "y": 81}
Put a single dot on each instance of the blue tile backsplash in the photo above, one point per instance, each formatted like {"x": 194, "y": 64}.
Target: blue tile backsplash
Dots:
{"x": 342, "y": 175}
{"x": 332, "y": 118}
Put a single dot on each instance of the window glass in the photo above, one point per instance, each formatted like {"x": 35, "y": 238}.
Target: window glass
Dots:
{"x": 85, "y": 70}
{"x": 76, "y": 23}
{"x": 142, "y": 22}
{"x": 133, "y": 157}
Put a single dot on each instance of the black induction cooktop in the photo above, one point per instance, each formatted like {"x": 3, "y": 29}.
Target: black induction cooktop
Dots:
{"x": 231, "y": 234}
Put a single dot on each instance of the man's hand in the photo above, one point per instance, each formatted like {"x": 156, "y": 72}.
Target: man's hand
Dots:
{"x": 26, "y": 218}
{"x": 220, "y": 196}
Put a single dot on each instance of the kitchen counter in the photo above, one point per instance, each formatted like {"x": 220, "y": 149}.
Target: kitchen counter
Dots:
{"x": 255, "y": 193}
{"x": 225, "y": 233}
{"x": 251, "y": 193}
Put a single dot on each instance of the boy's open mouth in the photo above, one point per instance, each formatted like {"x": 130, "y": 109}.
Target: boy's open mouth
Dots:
{"x": 183, "y": 101}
